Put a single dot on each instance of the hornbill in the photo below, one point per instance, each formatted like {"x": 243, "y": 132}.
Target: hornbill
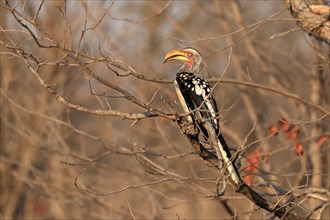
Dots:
{"x": 195, "y": 95}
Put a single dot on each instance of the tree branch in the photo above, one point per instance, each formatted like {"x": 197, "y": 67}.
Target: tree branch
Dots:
{"x": 191, "y": 131}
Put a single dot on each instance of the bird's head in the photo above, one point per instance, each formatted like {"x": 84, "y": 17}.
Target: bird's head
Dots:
{"x": 192, "y": 59}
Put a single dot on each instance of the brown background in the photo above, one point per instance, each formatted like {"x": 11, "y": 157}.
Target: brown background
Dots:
{"x": 45, "y": 144}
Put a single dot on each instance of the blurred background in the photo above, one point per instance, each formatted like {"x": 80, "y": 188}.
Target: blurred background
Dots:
{"x": 273, "y": 71}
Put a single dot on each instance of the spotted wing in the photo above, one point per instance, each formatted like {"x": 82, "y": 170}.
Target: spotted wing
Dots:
{"x": 197, "y": 95}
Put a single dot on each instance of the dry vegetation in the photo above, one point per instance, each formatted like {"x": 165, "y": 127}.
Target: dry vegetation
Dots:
{"x": 88, "y": 110}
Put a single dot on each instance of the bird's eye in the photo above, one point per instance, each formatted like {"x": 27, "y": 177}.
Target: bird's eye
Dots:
{"x": 189, "y": 54}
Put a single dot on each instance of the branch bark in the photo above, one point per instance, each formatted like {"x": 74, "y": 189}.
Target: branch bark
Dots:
{"x": 313, "y": 18}
{"x": 192, "y": 133}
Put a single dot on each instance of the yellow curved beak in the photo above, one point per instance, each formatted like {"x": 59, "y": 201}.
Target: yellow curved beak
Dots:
{"x": 176, "y": 55}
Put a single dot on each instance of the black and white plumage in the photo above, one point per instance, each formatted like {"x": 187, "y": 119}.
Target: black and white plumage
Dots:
{"x": 195, "y": 95}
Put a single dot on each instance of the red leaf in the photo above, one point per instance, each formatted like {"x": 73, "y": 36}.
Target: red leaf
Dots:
{"x": 294, "y": 136}
{"x": 250, "y": 168}
{"x": 273, "y": 130}
{"x": 248, "y": 179}
{"x": 294, "y": 132}
{"x": 255, "y": 155}
{"x": 321, "y": 140}
{"x": 253, "y": 159}
{"x": 284, "y": 123}
{"x": 288, "y": 134}
{"x": 299, "y": 149}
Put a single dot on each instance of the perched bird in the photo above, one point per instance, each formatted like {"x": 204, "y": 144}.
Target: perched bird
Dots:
{"x": 195, "y": 95}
